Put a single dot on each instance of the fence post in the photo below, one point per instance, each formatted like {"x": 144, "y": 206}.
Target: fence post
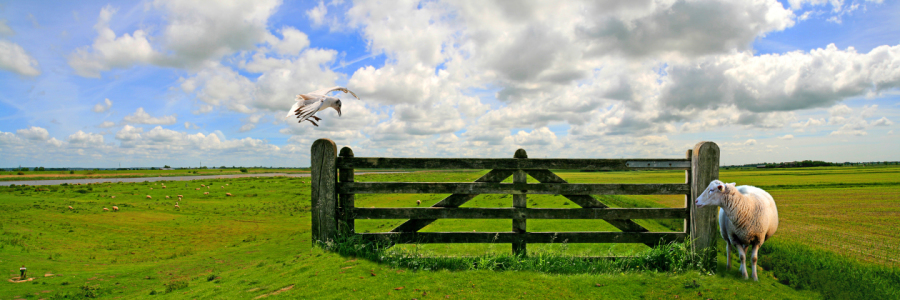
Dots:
{"x": 323, "y": 171}
{"x": 519, "y": 201}
{"x": 347, "y": 200}
{"x": 705, "y": 168}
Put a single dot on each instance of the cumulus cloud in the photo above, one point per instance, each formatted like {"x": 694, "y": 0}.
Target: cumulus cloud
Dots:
{"x": 15, "y": 59}
{"x": 102, "y": 106}
{"x": 106, "y": 124}
{"x": 142, "y": 117}
{"x": 81, "y": 138}
{"x": 129, "y": 133}
{"x": 786, "y": 137}
{"x": 33, "y": 133}
{"x": 194, "y": 33}
{"x": 781, "y": 82}
{"x": 882, "y": 122}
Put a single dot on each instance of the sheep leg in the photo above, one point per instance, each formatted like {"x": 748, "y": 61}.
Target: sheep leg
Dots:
{"x": 753, "y": 259}
{"x": 727, "y": 255}
{"x": 742, "y": 252}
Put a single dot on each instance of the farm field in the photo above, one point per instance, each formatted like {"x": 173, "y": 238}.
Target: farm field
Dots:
{"x": 83, "y": 174}
{"x": 255, "y": 243}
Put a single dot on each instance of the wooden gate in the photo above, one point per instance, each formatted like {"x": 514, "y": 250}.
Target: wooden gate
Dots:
{"x": 333, "y": 198}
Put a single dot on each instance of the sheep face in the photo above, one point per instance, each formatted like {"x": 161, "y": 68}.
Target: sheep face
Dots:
{"x": 714, "y": 193}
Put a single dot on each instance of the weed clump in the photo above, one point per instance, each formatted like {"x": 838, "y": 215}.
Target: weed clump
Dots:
{"x": 176, "y": 285}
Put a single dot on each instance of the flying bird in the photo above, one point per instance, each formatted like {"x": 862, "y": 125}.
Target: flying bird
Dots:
{"x": 310, "y": 103}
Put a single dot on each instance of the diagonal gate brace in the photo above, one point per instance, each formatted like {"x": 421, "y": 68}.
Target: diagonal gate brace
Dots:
{"x": 586, "y": 201}
{"x": 453, "y": 201}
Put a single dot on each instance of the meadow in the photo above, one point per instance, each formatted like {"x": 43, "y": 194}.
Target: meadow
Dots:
{"x": 256, "y": 243}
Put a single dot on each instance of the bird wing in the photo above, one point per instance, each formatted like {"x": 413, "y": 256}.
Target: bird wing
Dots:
{"x": 305, "y": 107}
{"x": 306, "y": 111}
{"x": 332, "y": 89}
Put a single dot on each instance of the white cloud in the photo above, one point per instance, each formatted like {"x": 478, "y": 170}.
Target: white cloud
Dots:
{"x": 750, "y": 142}
{"x": 189, "y": 125}
{"x": 102, "y": 106}
{"x": 292, "y": 43}
{"x": 106, "y": 124}
{"x": 15, "y": 59}
{"x": 882, "y": 122}
{"x": 142, "y": 117}
{"x": 194, "y": 33}
{"x": 786, "y": 137}
{"x": 9, "y": 138}
{"x": 317, "y": 14}
{"x": 34, "y": 134}
{"x": 781, "y": 82}
{"x": 81, "y": 138}
{"x": 109, "y": 51}
{"x": 129, "y": 133}
{"x": 5, "y": 30}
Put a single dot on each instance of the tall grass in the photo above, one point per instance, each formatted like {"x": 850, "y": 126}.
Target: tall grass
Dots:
{"x": 671, "y": 257}
{"x": 833, "y": 275}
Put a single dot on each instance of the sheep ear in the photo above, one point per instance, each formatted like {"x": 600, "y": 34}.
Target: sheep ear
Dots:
{"x": 721, "y": 188}
{"x": 731, "y": 184}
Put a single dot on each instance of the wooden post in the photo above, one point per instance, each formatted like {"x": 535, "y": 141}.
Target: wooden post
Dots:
{"x": 519, "y": 201}
{"x": 348, "y": 201}
{"x": 705, "y": 168}
{"x": 687, "y": 197}
{"x": 324, "y": 191}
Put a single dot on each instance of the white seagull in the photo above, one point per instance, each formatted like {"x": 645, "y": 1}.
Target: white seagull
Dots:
{"x": 310, "y": 103}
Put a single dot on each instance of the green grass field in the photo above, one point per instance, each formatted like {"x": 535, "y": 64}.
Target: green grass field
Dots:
{"x": 256, "y": 243}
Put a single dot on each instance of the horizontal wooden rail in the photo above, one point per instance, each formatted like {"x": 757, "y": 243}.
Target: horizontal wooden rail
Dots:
{"x": 518, "y": 213}
{"x": 512, "y": 163}
{"x": 528, "y": 237}
{"x": 511, "y": 188}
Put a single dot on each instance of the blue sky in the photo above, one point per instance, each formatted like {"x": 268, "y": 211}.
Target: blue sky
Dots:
{"x": 171, "y": 82}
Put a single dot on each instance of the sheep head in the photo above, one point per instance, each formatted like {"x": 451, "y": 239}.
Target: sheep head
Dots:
{"x": 714, "y": 193}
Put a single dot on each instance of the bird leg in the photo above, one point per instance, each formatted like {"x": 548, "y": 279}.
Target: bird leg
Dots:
{"x": 311, "y": 121}
{"x": 317, "y": 118}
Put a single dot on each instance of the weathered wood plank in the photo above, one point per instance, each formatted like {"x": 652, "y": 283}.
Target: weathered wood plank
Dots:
{"x": 586, "y": 201}
{"x": 454, "y": 200}
{"x": 513, "y": 163}
{"x": 519, "y": 213}
{"x": 323, "y": 192}
{"x": 511, "y": 188}
{"x": 704, "y": 234}
{"x": 530, "y": 237}
{"x": 347, "y": 201}
{"x": 520, "y": 201}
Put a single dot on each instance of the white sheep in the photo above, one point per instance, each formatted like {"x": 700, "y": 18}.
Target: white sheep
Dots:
{"x": 747, "y": 218}
{"x": 115, "y": 208}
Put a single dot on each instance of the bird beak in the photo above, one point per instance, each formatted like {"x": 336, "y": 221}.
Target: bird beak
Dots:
{"x": 339, "y": 111}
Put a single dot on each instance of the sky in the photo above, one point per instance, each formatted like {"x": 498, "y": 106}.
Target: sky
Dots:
{"x": 190, "y": 83}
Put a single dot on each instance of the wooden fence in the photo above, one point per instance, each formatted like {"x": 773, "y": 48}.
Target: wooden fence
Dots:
{"x": 333, "y": 190}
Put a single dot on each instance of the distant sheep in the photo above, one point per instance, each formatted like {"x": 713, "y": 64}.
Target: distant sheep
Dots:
{"x": 167, "y": 197}
{"x": 228, "y": 194}
{"x": 70, "y": 207}
{"x": 747, "y": 218}
{"x": 105, "y": 209}
{"x": 113, "y": 197}
{"x": 148, "y": 197}
{"x": 206, "y": 193}
{"x": 418, "y": 202}
{"x": 176, "y": 206}
{"x": 202, "y": 185}
{"x": 115, "y": 208}
{"x": 151, "y": 188}
{"x": 163, "y": 186}
{"x": 180, "y": 196}
{"x": 223, "y": 187}
{"x": 197, "y": 189}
